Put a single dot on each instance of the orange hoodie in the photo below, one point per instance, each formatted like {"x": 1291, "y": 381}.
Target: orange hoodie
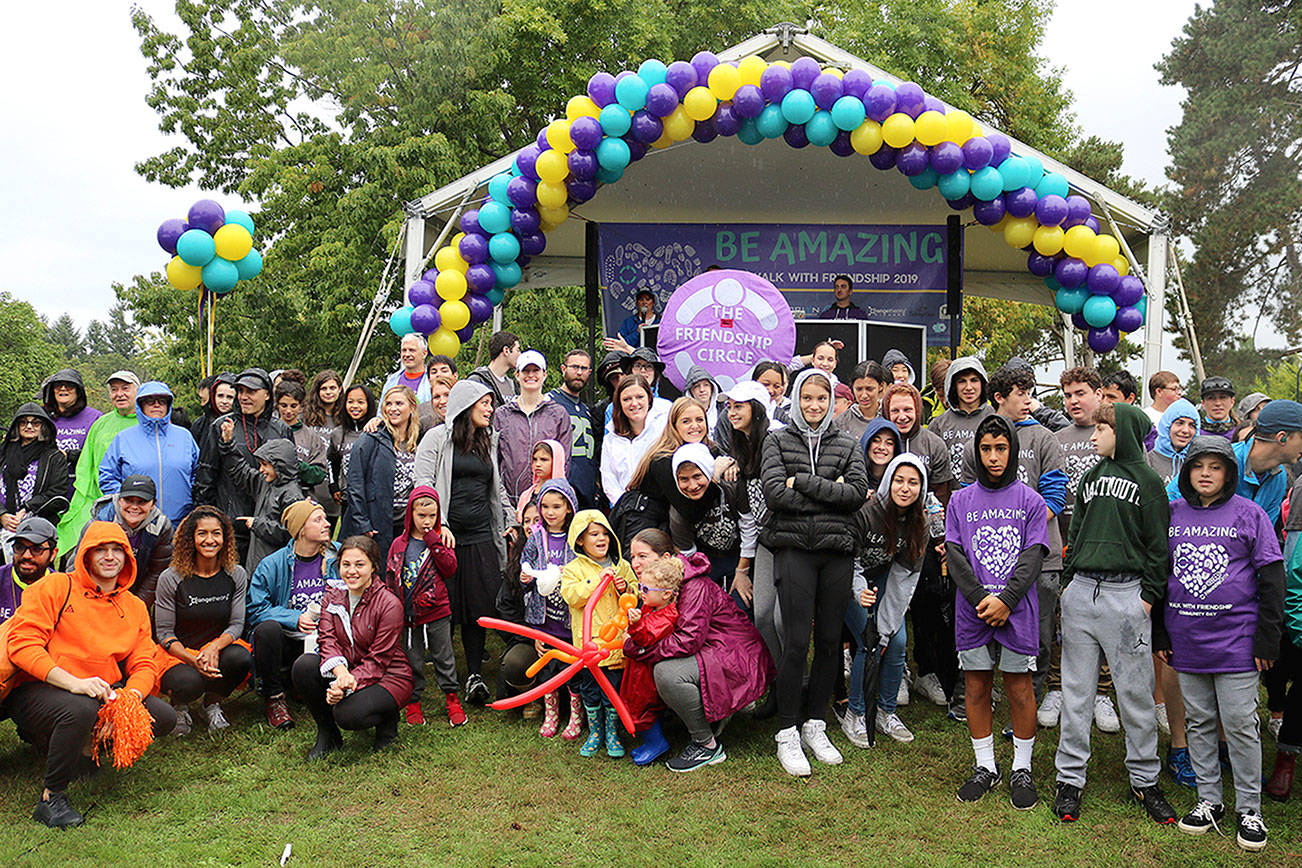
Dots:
{"x": 100, "y": 635}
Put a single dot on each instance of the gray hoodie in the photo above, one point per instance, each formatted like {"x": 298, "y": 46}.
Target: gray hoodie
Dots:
{"x": 895, "y": 357}
{"x": 697, "y": 374}
{"x": 954, "y": 426}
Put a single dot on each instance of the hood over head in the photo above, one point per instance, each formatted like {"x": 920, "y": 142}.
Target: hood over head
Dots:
{"x": 1132, "y": 427}
{"x": 100, "y": 533}
{"x": 877, "y": 425}
{"x": 914, "y": 395}
{"x": 896, "y": 357}
{"x": 610, "y": 362}
{"x": 558, "y": 457}
{"x": 797, "y": 417}
{"x": 883, "y": 493}
{"x": 147, "y": 390}
{"x": 693, "y": 453}
{"x": 998, "y": 426}
{"x": 560, "y": 485}
{"x": 225, "y": 377}
{"x": 281, "y": 455}
{"x": 645, "y": 354}
{"x": 1181, "y": 408}
{"x": 580, "y": 523}
{"x": 69, "y": 377}
{"x": 696, "y": 374}
{"x": 462, "y": 396}
{"x": 1208, "y": 444}
{"x": 31, "y": 408}
{"x": 418, "y": 492}
{"x": 964, "y": 365}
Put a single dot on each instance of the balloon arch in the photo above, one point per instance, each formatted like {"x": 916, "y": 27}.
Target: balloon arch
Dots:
{"x": 622, "y": 117}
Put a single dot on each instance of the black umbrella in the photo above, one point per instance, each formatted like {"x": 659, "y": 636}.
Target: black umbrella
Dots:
{"x": 872, "y": 670}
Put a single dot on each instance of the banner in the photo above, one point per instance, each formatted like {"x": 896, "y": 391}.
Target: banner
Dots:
{"x": 899, "y": 272}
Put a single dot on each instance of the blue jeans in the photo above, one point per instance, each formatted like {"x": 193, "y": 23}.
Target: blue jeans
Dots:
{"x": 888, "y": 686}
{"x": 856, "y": 619}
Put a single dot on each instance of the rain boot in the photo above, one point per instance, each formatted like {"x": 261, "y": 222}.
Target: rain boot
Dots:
{"x": 614, "y": 747}
{"x": 590, "y": 746}
{"x": 574, "y": 728}
{"x": 653, "y": 746}
{"x": 551, "y": 715}
{"x": 1281, "y": 779}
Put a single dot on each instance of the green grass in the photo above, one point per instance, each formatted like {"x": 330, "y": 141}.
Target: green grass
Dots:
{"x": 495, "y": 793}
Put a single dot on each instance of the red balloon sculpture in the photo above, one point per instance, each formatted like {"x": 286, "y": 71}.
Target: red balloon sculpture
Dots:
{"x": 589, "y": 654}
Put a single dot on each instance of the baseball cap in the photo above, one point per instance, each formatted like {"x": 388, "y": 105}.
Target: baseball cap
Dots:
{"x": 530, "y": 357}
{"x": 1280, "y": 416}
{"x": 35, "y": 529}
{"x": 1251, "y": 402}
{"x": 748, "y": 390}
{"x": 1217, "y": 385}
{"x": 125, "y": 376}
{"x": 843, "y": 391}
{"x": 138, "y": 485}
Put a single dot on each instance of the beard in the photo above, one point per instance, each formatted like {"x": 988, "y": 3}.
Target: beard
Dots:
{"x": 574, "y": 384}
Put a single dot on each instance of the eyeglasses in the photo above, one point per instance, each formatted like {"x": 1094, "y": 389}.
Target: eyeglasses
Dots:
{"x": 646, "y": 589}
{"x": 582, "y": 369}
{"x": 29, "y": 423}
{"x": 1178, "y": 389}
{"x": 154, "y": 399}
{"x": 643, "y": 366}
{"x": 22, "y": 546}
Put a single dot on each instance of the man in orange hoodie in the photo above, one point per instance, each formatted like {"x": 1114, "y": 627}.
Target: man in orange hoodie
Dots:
{"x": 72, "y": 639}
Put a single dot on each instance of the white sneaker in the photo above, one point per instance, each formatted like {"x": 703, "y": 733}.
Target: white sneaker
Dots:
{"x": 996, "y": 695}
{"x": 216, "y": 720}
{"x": 1163, "y": 722}
{"x": 1105, "y": 715}
{"x": 890, "y": 724}
{"x": 1050, "y": 709}
{"x": 928, "y": 687}
{"x": 902, "y": 695}
{"x": 1274, "y": 725}
{"x": 855, "y": 729}
{"x": 789, "y": 752}
{"x": 183, "y": 722}
{"x": 814, "y": 735}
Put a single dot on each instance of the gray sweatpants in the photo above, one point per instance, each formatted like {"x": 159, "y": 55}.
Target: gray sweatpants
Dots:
{"x": 768, "y": 620}
{"x": 1106, "y": 620}
{"x": 678, "y": 681}
{"x": 436, "y": 639}
{"x": 1232, "y": 696}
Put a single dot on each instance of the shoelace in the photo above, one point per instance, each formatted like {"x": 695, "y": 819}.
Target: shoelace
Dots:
{"x": 1203, "y": 811}
{"x": 1252, "y": 821}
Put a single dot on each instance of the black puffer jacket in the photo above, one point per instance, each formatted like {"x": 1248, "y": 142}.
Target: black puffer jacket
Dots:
{"x": 214, "y": 482}
{"x": 817, "y": 513}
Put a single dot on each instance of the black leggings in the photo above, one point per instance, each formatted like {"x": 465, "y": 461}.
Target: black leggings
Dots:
{"x": 184, "y": 683}
{"x": 60, "y": 723}
{"x": 812, "y": 587}
{"x": 273, "y": 652}
{"x": 361, "y": 709}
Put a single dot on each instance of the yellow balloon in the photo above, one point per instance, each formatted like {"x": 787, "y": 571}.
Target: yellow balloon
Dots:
{"x": 1106, "y": 249}
{"x": 930, "y": 128}
{"x": 233, "y": 242}
{"x": 897, "y": 130}
{"x": 1122, "y": 265}
{"x": 183, "y": 277}
{"x": 867, "y": 138}
{"x": 1079, "y": 242}
{"x": 449, "y": 259}
{"x": 553, "y": 217}
{"x": 678, "y": 126}
{"x": 456, "y": 240}
{"x": 551, "y": 166}
{"x": 785, "y": 64}
{"x": 551, "y": 194}
{"x": 959, "y": 126}
{"x": 724, "y": 81}
{"x": 558, "y": 136}
{"x": 1048, "y": 240}
{"x": 581, "y": 107}
{"x": 450, "y": 285}
{"x": 1019, "y": 231}
{"x": 664, "y": 141}
{"x": 750, "y": 69}
{"x": 444, "y": 343}
{"x": 837, "y": 72}
{"x": 455, "y": 315}
{"x": 699, "y": 103}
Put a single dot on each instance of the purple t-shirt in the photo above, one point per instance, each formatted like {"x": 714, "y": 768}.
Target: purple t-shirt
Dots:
{"x": 994, "y": 527}
{"x": 11, "y": 593}
{"x": 70, "y": 431}
{"x": 308, "y": 584}
{"x": 1211, "y": 594}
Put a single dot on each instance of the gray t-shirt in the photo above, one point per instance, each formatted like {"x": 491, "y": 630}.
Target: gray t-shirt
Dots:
{"x": 1164, "y": 466}
{"x": 1038, "y": 452}
{"x": 851, "y": 422}
{"x": 931, "y": 449}
{"x": 957, "y": 429}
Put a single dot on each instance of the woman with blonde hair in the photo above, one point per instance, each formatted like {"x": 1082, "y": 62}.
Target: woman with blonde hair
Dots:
{"x": 382, "y": 471}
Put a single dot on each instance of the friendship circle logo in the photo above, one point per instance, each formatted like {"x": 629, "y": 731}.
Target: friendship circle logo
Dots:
{"x": 725, "y": 321}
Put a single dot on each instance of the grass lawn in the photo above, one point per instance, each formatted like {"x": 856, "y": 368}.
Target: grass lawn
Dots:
{"x": 495, "y": 793}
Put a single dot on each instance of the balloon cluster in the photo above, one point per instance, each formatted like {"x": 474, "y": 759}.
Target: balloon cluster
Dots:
{"x": 212, "y": 247}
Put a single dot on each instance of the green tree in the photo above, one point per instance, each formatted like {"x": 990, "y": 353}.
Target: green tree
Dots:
{"x": 27, "y": 355}
{"x": 112, "y": 336}
{"x": 64, "y": 334}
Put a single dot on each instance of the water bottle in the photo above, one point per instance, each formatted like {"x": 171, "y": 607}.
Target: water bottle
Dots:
{"x": 309, "y": 641}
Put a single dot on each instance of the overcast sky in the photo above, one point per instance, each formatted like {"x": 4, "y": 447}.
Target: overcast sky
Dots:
{"x": 78, "y": 218}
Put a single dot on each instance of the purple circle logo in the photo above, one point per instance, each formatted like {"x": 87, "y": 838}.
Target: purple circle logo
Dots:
{"x": 726, "y": 321}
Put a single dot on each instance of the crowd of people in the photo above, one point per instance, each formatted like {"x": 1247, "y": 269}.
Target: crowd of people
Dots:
{"x": 784, "y": 538}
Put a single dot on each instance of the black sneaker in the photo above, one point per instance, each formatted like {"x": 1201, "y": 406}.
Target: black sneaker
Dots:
{"x": 958, "y": 710}
{"x": 696, "y": 756}
{"x": 1201, "y": 817}
{"x": 1066, "y": 803}
{"x": 981, "y": 782}
{"x": 1022, "y": 785}
{"x": 1154, "y": 802}
{"x": 56, "y": 813}
{"x": 476, "y": 690}
{"x": 1251, "y": 832}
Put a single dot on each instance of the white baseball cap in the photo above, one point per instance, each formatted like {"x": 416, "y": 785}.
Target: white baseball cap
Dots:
{"x": 530, "y": 357}
{"x": 748, "y": 390}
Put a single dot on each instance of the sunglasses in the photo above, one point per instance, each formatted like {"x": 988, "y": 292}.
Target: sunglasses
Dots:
{"x": 21, "y": 547}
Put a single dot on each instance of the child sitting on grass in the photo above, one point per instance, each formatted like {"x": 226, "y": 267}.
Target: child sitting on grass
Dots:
{"x": 596, "y": 552}
{"x": 655, "y": 619}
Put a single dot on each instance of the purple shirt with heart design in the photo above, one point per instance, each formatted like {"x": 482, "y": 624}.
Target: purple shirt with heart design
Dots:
{"x": 1211, "y": 594}
{"x": 994, "y": 527}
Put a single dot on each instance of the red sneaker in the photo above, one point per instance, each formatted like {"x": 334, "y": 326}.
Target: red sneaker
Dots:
{"x": 278, "y": 715}
{"x": 415, "y": 717}
{"x": 456, "y": 716}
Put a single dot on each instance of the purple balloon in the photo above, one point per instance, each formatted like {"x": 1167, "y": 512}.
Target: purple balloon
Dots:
{"x": 913, "y": 159}
{"x": 1039, "y": 264}
{"x": 636, "y": 150}
{"x": 856, "y": 83}
{"x": 989, "y": 213}
{"x": 1129, "y": 291}
{"x": 726, "y": 122}
{"x": 586, "y": 133}
{"x": 1103, "y": 340}
{"x": 422, "y": 291}
{"x": 524, "y": 220}
{"x": 775, "y": 83}
{"x": 795, "y": 135}
{"x": 946, "y": 158}
{"x": 169, "y": 231}
{"x": 1078, "y": 211}
{"x": 705, "y": 132}
{"x": 703, "y": 62}
{"x": 910, "y": 99}
{"x": 977, "y": 153}
{"x": 879, "y": 102}
{"x": 525, "y": 160}
{"x": 469, "y": 221}
{"x": 681, "y": 76}
{"x": 206, "y": 215}
{"x": 1002, "y": 148}
{"x": 646, "y": 127}
{"x": 1071, "y": 272}
{"x": 425, "y": 319}
{"x": 466, "y": 333}
{"x": 1092, "y": 224}
{"x": 1103, "y": 279}
{"x": 1078, "y": 320}
{"x": 826, "y": 90}
{"x": 481, "y": 309}
{"x": 748, "y": 102}
{"x": 532, "y": 245}
{"x": 804, "y": 71}
{"x": 883, "y": 157}
{"x": 583, "y": 164}
{"x": 474, "y": 248}
{"x": 581, "y": 190}
{"x": 601, "y": 88}
{"x": 1021, "y": 202}
{"x": 933, "y": 104}
{"x": 963, "y": 204}
{"x": 1051, "y": 210}
{"x": 521, "y": 191}
{"x": 541, "y": 141}
{"x": 841, "y": 145}
{"x": 1128, "y": 319}
{"x": 661, "y": 100}
{"x": 480, "y": 278}
{"x": 431, "y": 274}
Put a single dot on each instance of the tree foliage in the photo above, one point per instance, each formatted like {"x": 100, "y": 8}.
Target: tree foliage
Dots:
{"x": 27, "y": 355}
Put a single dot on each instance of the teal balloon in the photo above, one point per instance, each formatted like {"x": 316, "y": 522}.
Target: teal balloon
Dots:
{"x": 798, "y": 106}
{"x": 220, "y": 276}
{"x": 250, "y": 266}
{"x": 612, "y": 154}
{"x": 242, "y": 218}
{"x": 495, "y": 296}
{"x": 1052, "y": 184}
{"x": 400, "y": 321}
{"x": 770, "y": 122}
{"x": 1014, "y": 171}
{"x": 508, "y": 274}
{"x": 1099, "y": 311}
{"x": 926, "y": 179}
{"x": 848, "y": 113}
{"x": 196, "y": 247}
{"x": 1073, "y": 300}
{"x": 652, "y": 71}
{"x": 630, "y": 92}
{"x": 615, "y": 120}
{"x": 821, "y": 129}
{"x": 1052, "y": 283}
{"x": 609, "y": 176}
{"x": 883, "y": 81}
{"x": 1142, "y": 307}
{"x": 955, "y": 185}
{"x": 987, "y": 184}
{"x": 749, "y": 132}
{"x": 494, "y": 217}
{"x": 497, "y": 188}
{"x": 1035, "y": 171}
{"x": 503, "y": 247}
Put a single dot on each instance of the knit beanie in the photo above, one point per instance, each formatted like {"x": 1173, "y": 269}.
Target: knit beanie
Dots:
{"x": 297, "y": 514}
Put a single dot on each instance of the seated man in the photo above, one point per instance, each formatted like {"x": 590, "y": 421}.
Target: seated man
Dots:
{"x": 36, "y": 545}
